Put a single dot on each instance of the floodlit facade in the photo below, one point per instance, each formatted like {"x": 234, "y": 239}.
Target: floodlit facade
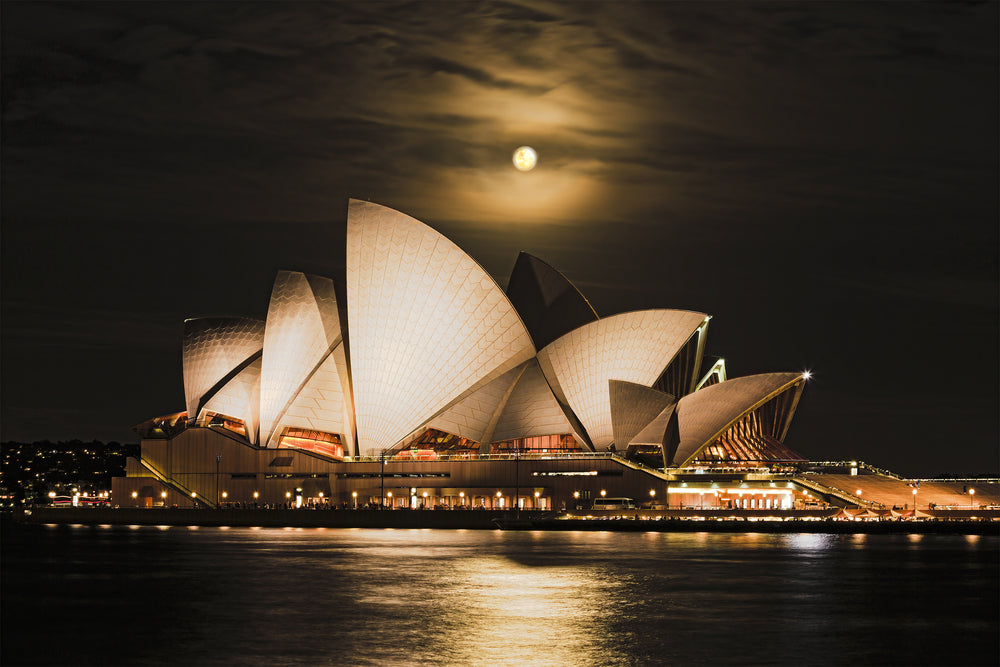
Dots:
{"x": 417, "y": 357}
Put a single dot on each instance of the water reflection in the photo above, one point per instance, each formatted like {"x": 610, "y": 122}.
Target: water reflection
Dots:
{"x": 407, "y": 597}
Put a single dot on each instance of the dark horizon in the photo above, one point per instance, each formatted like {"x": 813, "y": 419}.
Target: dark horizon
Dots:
{"x": 821, "y": 179}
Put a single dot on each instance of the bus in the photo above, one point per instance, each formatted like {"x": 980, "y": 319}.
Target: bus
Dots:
{"x": 614, "y": 504}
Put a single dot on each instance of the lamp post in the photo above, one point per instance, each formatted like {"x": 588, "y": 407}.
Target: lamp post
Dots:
{"x": 500, "y": 498}
{"x": 354, "y": 495}
{"x": 914, "y": 500}
{"x": 537, "y": 494}
{"x": 517, "y": 477}
{"x": 972, "y": 498}
{"x": 461, "y": 494}
{"x": 390, "y": 500}
{"x": 218, "y": 461}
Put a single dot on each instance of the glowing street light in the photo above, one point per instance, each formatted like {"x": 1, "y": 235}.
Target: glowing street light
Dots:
{"x": 461, "y": 494}
{"x": 603, "y": 493}
{"x": 652, "y": 493}
{"x": 52, "y": 494}
{"x": 972, "y": 497}
{"x": 225, "y": 495}
{"x": 164, "y": 495}
{"x": 256, "y": 495}
{"x": 390, "y": 500}
{"x": 135, "y": 494}
{"x": 354, "y": 494}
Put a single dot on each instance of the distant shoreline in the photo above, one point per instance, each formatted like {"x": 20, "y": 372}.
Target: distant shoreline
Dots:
{"x": 486, "y": 520}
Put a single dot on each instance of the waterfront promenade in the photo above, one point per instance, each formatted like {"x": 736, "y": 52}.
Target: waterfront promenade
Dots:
{"x": 982, "y": 522}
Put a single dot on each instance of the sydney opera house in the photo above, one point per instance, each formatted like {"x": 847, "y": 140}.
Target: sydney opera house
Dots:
{"x": 416, "y": 380}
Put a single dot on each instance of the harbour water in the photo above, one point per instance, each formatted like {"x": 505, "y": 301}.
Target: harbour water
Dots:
{"x": 145, "y": 595}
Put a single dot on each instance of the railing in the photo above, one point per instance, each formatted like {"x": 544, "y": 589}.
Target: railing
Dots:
{"x": 840, "y": 493}
{"x": 861, "y": 465}
{"x": 394, "y": 458}
{"x": 635, "y": 465}
{"x": 174, "y": 484}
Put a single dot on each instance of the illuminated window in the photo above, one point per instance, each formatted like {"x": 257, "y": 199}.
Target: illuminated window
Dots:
{"x": 229, "y": 423}
{"x": 538, "y": 444}
{"x": 320, "y": 442}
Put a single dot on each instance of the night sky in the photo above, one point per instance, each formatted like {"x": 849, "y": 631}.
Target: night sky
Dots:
{"x": 821, "y": 178}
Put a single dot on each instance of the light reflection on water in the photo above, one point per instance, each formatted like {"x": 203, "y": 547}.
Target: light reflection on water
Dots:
{"x": 401, "y": 597}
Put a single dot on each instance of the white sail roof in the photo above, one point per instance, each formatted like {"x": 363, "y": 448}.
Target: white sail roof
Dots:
{"x": 427, "y": 323}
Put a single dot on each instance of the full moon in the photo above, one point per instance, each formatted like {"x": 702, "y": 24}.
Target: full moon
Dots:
{"x": 525, "y": 158}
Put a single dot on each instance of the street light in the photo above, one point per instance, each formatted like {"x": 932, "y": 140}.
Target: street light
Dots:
{"x": 500, "y": 499}
{"x": 537, "y": 494}
{"x": 914, "y": 499}
{"x": 425, "y": 500}
{"x": 135, "y": 494}
{"x": 972, "y": 497}
{"x": 390, "y": 500}
{"x": 461, "y": 494}
{"x": 603, "y": 493}
{"x": 354, "y": 494}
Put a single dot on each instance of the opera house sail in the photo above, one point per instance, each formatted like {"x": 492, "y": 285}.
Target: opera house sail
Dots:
{"x": 417, "y": 355}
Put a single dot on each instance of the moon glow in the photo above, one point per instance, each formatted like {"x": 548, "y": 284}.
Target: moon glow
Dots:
{"x": 525, "y": 158}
